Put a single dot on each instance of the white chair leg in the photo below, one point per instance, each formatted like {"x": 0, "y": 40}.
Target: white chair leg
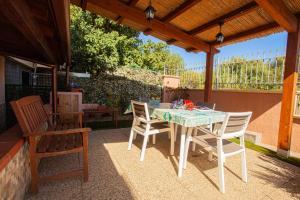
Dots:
{"x": 134, "y": 137}
{"x": 194, "y": 144}
{"x": 154, "y": 139}
{"x": 130, "y": 139}
{"x": 211, "y": 127}
{"x": 243, "y": 159}
{"x": 221, "y": 175}
{"x": 186, "y": 151}
{"x": 210, "y": 155}
{"x": 244, "y": 167}
{"x": 144, "y": 147}
{"x": 221, "y": 166}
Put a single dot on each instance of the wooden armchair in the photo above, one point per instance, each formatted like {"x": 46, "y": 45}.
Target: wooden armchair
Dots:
{"x": 48, "y": 136}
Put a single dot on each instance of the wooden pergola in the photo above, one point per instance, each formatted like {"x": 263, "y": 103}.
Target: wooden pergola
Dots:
{"x": 193, "y": 24}
{"x": 38, "y": 30}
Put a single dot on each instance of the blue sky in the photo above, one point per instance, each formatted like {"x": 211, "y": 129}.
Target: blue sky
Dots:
{"x": 251, "y": 48}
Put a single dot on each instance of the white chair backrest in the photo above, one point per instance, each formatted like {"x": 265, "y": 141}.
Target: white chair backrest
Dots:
{"x": 140, "y": 111}
{"x": 234, "y": 125}
{"x": 207, "y": 105}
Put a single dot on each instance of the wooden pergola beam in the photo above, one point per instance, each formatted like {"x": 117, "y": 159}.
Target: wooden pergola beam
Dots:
{"x": 130, "y": 3}
{"x": 225, "y": 18}
{"x": 288, "y": 93}
{"x": 61, "y": 14}
{"x": 208, "y": 76}
{"x": 138, "y": 16}
{"x": 280, "y": 13}
{"x": 246, "y": 34}
{"x": 179, "y": 10}
{"x": 171, "y": 41}
{"x": 19, "y": 14}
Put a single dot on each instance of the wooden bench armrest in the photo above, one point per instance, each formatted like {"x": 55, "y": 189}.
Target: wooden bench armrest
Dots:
{"x": 62, "y": 132}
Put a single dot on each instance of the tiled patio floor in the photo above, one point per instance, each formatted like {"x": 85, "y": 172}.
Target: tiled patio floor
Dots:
{"x": 116, "y": 173}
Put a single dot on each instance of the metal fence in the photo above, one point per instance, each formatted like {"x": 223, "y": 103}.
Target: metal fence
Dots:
{"x": 190, "y": 76}
{"x": 14, "y": 92}
{"x": 260, "y": 71}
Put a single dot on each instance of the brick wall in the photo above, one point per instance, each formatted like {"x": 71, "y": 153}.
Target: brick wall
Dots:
{"x": 15, "y": 176}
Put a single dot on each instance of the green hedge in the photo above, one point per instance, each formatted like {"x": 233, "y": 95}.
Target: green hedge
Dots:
{"x": 117, "y": 89}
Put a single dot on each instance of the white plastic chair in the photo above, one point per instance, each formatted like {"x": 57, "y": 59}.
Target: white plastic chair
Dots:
{"x": 234, "y": 125}
{"x": 211, "y": 106}
{"x": 143, "y": 125}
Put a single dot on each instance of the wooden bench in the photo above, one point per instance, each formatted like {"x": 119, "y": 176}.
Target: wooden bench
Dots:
{"x": 49, "y": 136}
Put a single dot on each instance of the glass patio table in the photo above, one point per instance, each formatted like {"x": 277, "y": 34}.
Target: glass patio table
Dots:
{"x": 188, "y": 119}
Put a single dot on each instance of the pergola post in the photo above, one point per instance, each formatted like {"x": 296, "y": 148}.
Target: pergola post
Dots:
{"x": 67, "y": 76}
{"x": 208, "y": 76}
{"x": 288, "y": 92}
{"x": 54, "y": 89}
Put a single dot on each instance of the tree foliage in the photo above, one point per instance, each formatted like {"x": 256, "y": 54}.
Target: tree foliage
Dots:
{"x": 100, "y": 45}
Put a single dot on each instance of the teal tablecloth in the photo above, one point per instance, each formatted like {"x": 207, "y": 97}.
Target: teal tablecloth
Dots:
{"x": 188, "y": 118}
{"x": 183, "y": 117}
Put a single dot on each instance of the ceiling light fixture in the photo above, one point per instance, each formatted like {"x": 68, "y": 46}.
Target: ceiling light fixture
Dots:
{"x": 150, "y": 12}
{"x": 220, "y": 36}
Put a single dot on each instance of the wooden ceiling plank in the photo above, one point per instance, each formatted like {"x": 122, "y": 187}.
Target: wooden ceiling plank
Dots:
{"x": 130, "y": 3}
{"x": 225, "y": 18}
{"x": 246, "y": 34}
{"x": 280, "y": 13}
{"x": 19, "y": 14}
{"x": 167, "y": 29}
{"x": 179, "y": 10}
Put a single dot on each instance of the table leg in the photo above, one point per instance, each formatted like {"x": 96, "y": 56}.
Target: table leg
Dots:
{"x": 184, "y": 131}
{"x": 172, "y": 135}
{"x": 181, "y": 155}
{"x": 175, "y": 133}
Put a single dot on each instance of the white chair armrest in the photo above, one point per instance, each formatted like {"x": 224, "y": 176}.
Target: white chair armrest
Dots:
{"x": 153, "y": 121}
